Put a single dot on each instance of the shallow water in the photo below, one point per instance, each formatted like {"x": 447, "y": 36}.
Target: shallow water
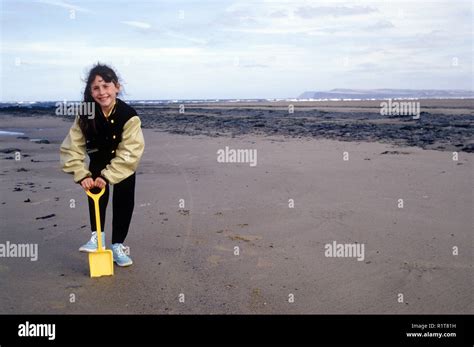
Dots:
{"x": 10, "y": 133}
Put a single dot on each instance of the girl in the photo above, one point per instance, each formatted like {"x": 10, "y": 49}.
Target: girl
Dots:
{"x": 114, "y": 141}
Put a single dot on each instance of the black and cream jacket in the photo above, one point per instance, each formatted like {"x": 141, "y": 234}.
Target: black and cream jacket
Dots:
{"x": 114, "y": 152}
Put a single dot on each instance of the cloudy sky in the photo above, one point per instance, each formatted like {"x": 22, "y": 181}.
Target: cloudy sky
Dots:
{"x": 234, "y": 49}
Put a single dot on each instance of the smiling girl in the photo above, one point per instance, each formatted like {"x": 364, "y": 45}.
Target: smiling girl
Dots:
{"x": 114, "y": 141}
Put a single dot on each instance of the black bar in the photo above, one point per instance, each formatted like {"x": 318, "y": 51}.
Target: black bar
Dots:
{"x": 257, "y": 329}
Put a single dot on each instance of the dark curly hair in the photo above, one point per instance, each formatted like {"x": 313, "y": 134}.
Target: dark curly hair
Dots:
{"x": 88, "y": 126}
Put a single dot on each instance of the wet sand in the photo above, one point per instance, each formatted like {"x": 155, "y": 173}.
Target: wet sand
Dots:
{"x": 190, "y": 250}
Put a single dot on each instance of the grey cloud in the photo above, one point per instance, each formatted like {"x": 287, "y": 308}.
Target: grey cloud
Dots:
{"x": 336, "y": 11}
{"x": 278, "y": 14}
{"x": 381, "y": 24}
{"x": 237, "y": 17}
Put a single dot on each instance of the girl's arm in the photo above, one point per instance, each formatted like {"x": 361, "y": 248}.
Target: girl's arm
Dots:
{"x": 73, "y": 153}
{"x": 128, "y": 153}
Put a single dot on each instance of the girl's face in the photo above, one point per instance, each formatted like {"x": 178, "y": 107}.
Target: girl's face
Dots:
{"x": 104, "y": 93}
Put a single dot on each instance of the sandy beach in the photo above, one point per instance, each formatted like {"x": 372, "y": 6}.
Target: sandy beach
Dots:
{"x": 191, "y": 250}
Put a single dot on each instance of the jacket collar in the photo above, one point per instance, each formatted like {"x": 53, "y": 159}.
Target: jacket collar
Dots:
{"x": 112, "y": 111}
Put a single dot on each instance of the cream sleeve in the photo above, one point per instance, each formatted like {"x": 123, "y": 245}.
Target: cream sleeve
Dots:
{"x": 73, "y": 153}
{"x": 128, "y": 153}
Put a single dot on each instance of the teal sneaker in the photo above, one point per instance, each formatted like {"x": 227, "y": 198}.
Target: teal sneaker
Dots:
{"x": 119, "y": 255}
{"x": 91, "y": 245}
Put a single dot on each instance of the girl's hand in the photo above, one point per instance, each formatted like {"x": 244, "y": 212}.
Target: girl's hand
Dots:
{"x": 87, "y": 183}
{"x": 99, "y": 182}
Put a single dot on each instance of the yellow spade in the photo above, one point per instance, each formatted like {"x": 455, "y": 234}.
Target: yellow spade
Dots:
{"x": 101, "y": 262}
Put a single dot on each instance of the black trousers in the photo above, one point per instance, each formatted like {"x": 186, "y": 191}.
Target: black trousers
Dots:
{"x": 123, "y": 202}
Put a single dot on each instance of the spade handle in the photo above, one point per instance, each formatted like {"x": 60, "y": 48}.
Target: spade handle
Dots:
{"x": 96, "y": 198}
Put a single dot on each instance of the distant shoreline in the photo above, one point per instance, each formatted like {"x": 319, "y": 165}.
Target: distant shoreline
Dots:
{"x": 260, "y": 102}
{"x": 444, "y": 125}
